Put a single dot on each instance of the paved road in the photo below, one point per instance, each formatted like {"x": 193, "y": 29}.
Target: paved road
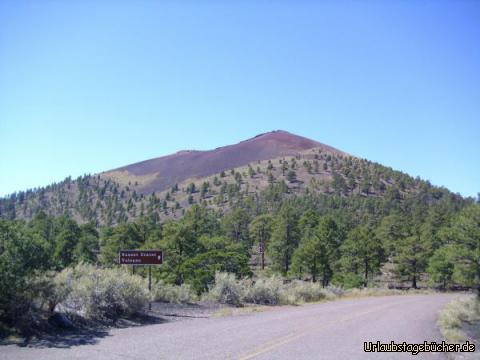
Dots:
{"x": 332, "y": 330}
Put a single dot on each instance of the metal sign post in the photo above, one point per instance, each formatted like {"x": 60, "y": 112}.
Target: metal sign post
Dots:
{"x": 142, "y": 257}
{"x": 150, "y": 286}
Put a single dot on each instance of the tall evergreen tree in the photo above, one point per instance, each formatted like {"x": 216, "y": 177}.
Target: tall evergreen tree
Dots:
{"x": 391, "y": 230}
{"x": 318, "y": 251}
{"x": 121, "y": 237}
{"x": 67, "y": 235}
{"x": 362, "y": 252}
{"x": 260, "y": 231}
{"x": 466, "y": 229}
{"x": 441, "y": 266}
{"x": 87, "y": 247}
{"x": 235, "y": 225}
{"x": 285, "y": 238}
{"x": 310, "y": 256}
{"x": 331, "y": 238}
{"x": 412, "y": 257}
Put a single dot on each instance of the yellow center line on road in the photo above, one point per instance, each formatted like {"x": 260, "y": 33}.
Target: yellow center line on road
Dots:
{"x": 305, "y": 331}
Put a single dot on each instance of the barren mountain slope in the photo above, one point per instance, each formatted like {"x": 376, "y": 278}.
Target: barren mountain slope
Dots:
{"x": 161, "y": 173}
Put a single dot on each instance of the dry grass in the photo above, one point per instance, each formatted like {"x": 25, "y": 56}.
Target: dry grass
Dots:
{"x": 240, "y": 311}
{"x": 125, "y": 178}
{"x": 455, "y": 314}
{"x": 368, "y": 292}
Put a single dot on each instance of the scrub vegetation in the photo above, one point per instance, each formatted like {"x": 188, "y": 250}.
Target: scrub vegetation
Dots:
{"x": 455, "y": 316}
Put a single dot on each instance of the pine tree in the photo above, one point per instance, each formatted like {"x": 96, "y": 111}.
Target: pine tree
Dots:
{"x": 124, "y": 236}
{"x": 309, "y": 220}
{"x": 204, "y": 189}
{"x": 412, "y": 257}
{"x": 318, "y": 251}
{"x": 391, "y": 231}
{"x": 87, "y": 247}
{"x": 466, "y": 230}
{"x": 330, "y": 237}
{"x": 271, "y": 178}
{"x": 441, "y": 266}
{"x": 362, "y": 252}
{"x": 260, "y": 231}
{"x": 191, "y": 188}
{"x": 235, "y": 225}
{"x": 292, "y": 176}
{"x": 284, "y": 167}
{"x": 285, "y": 238}
{"x": 251, "y": 172}
{"x": 66, "y": 239}
{"x": 309, "y": 255}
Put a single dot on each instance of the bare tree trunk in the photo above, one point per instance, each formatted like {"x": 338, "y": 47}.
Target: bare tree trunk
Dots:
{"x": 366, "y": 275}
{"x": 314, "y": 270}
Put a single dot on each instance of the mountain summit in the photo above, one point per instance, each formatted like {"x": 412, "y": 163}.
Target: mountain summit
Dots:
{"x": 159, "y": 174}
{"x": 264, "y": 169}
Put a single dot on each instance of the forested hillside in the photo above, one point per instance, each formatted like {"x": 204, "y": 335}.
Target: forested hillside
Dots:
{"x": 320, "y": 215}
{"x": 103, "y": 201}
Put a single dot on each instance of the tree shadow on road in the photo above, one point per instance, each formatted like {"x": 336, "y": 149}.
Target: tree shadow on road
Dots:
{"x": 66, "y": 339}
{"x": 84, "y": 333}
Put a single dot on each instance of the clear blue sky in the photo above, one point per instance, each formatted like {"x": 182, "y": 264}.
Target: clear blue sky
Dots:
{"x": 87, "y": 86}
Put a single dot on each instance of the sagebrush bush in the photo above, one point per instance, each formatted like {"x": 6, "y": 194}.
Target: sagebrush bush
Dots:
{"x": 266, "y": 291}
{"x": 301, "y": 291}
{"x": 336, "y": 290}
{"x": 100, "y": 294}
{"x": 226, "y": 289}
{"x": 173, "y": 293}
{"x": 274, "y": 290}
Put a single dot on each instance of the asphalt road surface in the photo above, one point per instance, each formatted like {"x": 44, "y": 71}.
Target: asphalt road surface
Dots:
{"x": 331, "y": 330}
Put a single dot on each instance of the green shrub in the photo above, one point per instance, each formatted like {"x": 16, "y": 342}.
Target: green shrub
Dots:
{"x": 349, "y": 280}
{"x": 23, "y": 254}
{"x": 267, "y": 291}
{"x": 272, "y": 290}
{"x": 301, "y": 291}
{"x": 226, "y": 290}
{"x": 173, "y": 293}
{"x": 100, "y": 294}
{"x": 200, "y": 270}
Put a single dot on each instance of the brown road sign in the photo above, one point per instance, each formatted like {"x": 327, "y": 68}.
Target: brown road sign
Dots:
{"x": 141, "y": 257}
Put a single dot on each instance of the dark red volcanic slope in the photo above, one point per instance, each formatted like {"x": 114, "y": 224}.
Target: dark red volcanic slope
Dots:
{"x": 182, "y": 165}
